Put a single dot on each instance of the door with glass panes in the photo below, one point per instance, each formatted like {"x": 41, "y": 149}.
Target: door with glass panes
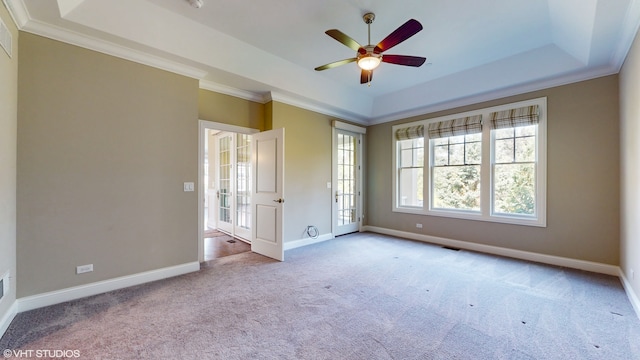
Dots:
{"x": 346, "y": 191}
{"x": 233, "y": 175}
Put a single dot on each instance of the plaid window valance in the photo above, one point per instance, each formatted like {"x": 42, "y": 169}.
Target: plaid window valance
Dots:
{"x": 411, "y": 132}
{"x": 523, "y": 116}
{"x": 461, "y": 126}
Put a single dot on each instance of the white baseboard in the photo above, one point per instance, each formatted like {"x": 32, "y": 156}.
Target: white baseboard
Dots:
{"x": 633, "y": 298}
{"x": 8, "y": 318}
{"x": 307, "y": 241}
{"x": 517, "y": 254}
{"x": 77, "y": 292}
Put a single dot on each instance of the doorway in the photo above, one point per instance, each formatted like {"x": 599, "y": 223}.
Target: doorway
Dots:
{"x": 224, "y": 219}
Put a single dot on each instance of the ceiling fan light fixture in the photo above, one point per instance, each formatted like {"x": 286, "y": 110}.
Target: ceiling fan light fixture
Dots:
{"x": 369, "y": 61}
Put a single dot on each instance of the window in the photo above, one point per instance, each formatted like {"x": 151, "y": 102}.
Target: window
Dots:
{"x": 487, "y": 165}
{"x": 410, "y": 172}
{"x": 455, "y": 174}
{"x": 514, "y": 167}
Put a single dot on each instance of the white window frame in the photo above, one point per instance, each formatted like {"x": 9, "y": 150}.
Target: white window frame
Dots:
{"x": 486, "y": 173}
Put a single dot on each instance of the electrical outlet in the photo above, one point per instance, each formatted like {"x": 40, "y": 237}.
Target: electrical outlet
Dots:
{"x": 419, "y": 226}
{"x": 189, "y": 186}
{"x": 84, "y": 269}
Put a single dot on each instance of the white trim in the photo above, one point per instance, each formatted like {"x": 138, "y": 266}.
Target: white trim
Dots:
{"x": 18, "y": 12}
{"x": 26, "y": 23}
{"x": 81, "y": 291}
{"x": 316, "y": 107}
{"x": 495, "y": 250}
{"x": 231, "y": 91}
{"x": 633, "y": 298}
{"x": 349, "y": 127}
{"x": 105, "y": 47}
{"x": 630, "y": 27}
{"x": 8, "y": 318}
{"x": 307, "y": 241}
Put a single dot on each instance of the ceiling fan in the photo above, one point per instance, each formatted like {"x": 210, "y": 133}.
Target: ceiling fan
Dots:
{"x": 369, "y": 57}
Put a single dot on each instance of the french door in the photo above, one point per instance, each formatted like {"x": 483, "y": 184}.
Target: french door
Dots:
{"x": 346, "y": 180}
{"x": 233, "y": 177}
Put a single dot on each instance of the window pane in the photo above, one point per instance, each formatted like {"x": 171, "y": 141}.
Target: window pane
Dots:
{"x": 526, "y": 130}
{"x": 440, "y": 141}
{"x": 441, "y": 155}
{"x": 410, "y": 185}
{"x": 406, "y": 157}
{"x": 474, "y": 137}
{"x": 514, "y": 189}
{"x": 456, "y": 187}
{"x": 504, "y": 133}
{"x": 504, "y": 151}
{"x": 526, "y": 149}
{"x": 411, "y": 153}
{"x": 456, "y": 139}
{"x": 474, "y": 153}
{"x": 418, "y": 157}
{"x": 456, "y": 154}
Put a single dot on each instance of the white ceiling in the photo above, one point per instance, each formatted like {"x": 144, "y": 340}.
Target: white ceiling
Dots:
{"x": 267, "y": 49}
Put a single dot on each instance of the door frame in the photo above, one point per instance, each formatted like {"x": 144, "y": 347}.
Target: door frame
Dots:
{"x": 360, "y": 132}
{"x": 203, "y": 125}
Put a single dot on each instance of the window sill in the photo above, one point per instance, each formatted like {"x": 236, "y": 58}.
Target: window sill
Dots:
{"x": 501, "y": 219}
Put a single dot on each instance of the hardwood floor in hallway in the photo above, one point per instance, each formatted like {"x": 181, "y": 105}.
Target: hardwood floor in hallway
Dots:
{"x": 218, "y": 244}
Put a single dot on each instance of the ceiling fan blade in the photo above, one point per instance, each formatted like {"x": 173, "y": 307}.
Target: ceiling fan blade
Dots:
{"x": 344, "y": 39}
{"x": 366, "y": 76}
{"x": 335, "y": 64}
{"x": 404, "y": 60}
{"x": 401, "y": 34}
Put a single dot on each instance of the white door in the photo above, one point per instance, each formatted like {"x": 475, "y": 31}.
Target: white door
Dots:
{"x": 268, "y": 193}
{"x": 346, "y": 190}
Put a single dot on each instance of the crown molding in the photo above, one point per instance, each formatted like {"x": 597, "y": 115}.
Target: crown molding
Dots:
{"x": 500, "y": 93}
{"x": 18, "y": 12}
{"x": 24, "y": 22}
{"x": 319, "y": 108}
{"x": 279, "y": 97}
{"x": 231, "y": 91}
{"x": 630, "y": 28}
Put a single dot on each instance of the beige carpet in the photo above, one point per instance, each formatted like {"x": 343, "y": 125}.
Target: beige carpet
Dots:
{"x": 361, "y": 296}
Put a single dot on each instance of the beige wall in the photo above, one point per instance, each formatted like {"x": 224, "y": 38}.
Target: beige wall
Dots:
{"x": 307, "y": 169}
{"x": 8, "y": 126}
{"x": 582, "y": 182}
{"x": 104, "y": 146}
{"x": 630, "y": 153}
{"x": 231, "y": 110}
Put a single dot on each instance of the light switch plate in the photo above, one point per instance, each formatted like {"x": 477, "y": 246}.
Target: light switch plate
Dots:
{"x": 189, "y": 186}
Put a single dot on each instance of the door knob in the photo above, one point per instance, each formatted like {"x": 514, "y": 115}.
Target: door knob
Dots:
{"x": 281, "y": 200}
